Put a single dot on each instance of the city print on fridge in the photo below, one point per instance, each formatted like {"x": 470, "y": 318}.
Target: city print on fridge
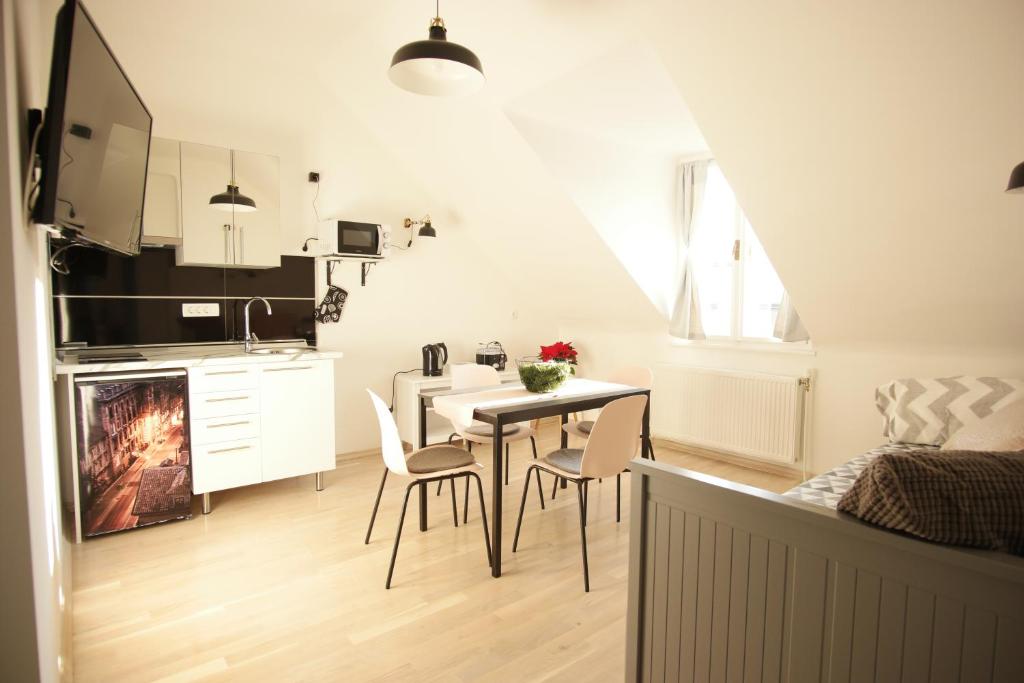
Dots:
{"x": 134, "y": 464}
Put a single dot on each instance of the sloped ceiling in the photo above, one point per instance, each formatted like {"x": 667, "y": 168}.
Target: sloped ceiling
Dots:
{"x": 869, "y": 143}
{"x": 287, "y": 66}
{"x": 612, "y": 133}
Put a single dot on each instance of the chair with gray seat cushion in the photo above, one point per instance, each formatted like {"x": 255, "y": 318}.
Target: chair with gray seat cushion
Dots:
{"x": 614, "y": 441}
{"x": 640, "y": 377}
{"x": 472, "y": 376}
{"x": 434, "y": 463}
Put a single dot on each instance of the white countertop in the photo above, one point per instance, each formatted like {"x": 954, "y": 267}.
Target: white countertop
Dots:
{"x": 164, "y": 357}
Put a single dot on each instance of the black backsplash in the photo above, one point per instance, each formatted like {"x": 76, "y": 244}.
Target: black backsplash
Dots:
{"x": 112, "y": 300}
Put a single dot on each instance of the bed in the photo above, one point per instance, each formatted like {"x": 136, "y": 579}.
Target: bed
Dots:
{"x": 826, "y": 489}
{"x": 732, "y": 583}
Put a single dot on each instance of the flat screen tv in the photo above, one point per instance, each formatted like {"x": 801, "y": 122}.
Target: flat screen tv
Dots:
{"x": 94, "y": 145}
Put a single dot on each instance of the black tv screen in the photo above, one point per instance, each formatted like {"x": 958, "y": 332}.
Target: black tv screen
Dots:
{"x": 95, "y": 141}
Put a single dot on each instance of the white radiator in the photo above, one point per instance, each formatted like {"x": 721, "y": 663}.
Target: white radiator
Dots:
{"x": 750, "y": 414}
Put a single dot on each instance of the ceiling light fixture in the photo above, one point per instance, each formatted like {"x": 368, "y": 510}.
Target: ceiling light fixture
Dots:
{"x": 1016, "y": 184}
{"x": 231, "y": 199}
{"x": 435, "y": 66}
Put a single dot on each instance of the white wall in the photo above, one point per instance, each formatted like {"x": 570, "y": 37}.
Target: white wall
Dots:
{"x": 868, "y": 143}
{"x": 36, "y": 634}
{"x": 844, "y": 419}
{"x": 439, "y": 290}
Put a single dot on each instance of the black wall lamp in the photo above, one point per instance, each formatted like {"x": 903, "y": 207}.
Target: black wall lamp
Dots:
{"x": 1016, "y": 184}
{"x": 426, "y": 228}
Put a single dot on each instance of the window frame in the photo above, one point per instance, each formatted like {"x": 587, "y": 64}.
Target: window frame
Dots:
{"x": 735, "y": 339}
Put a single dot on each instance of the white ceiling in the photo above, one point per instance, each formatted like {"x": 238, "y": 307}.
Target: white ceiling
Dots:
{"x": 625, "y": 96}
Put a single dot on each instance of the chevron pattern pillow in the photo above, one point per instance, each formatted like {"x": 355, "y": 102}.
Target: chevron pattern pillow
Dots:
{"x": 929, "y": 411}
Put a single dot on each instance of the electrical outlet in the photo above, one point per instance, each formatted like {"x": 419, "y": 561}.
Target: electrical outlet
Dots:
{"x": 203, "y": 310}
{"x": 314, "y": 177}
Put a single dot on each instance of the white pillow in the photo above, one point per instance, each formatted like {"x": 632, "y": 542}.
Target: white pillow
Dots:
{"x": 1003, "y": 430}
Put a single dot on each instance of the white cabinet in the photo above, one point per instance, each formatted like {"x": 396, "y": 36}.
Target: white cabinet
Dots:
{"x": 212, "y": 237}
{"x": 260, "y": 422}
{"x": 161, "y": 217}
{"x": 257, "y": 234}
{"x": 297, "y": 418}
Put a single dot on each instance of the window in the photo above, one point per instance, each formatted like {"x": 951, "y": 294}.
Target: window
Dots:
{"x": 738, "y": 289}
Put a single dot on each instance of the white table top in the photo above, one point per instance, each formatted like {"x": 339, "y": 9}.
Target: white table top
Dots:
{"x": 459, "y": 407}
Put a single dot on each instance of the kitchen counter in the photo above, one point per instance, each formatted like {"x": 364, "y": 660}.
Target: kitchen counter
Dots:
{"x": 160, "y": 358}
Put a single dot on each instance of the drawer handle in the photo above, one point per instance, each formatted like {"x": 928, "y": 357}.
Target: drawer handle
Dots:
{"x": 298, "y": 367}
{"x": 228, "y": 424}
{"x": 227, "y": 372}
{"x": 227, "y": 398}
{"x": 228, "y": 450}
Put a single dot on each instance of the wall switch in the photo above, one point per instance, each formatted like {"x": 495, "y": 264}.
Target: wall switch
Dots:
{"x": 203, "y": 310}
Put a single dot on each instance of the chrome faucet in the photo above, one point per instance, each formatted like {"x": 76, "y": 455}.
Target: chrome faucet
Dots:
{"x": 250, "y": 337}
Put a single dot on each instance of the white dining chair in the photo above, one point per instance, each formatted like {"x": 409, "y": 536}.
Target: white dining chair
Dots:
{"x": 614, "y": 441}
{"x": 433, "y": 463}
{"x": 473, "y": 376}
{"x": 636, "y": 376}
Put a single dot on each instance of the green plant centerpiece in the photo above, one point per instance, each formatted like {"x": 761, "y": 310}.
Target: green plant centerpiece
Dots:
{"x": 541, "y": 376}
{"x": 549, "y": 370}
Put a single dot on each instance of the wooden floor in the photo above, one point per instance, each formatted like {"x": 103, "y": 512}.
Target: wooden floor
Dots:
{"x": 276, "y": 585}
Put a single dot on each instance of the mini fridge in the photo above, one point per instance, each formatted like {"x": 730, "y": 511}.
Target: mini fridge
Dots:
{"x": 134, "y": 466}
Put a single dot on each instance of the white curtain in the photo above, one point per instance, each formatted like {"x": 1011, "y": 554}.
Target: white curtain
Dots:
{"x": 788, "y": 326}
{"x": 691, "y": 177}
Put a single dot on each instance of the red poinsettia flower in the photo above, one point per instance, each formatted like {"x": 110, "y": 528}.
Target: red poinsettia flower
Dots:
{"x": 559, "y": 351}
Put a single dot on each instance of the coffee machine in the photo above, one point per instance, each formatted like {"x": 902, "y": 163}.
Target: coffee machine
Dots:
{"x": 435, "y": 357}
{"x": 492, "y": 354}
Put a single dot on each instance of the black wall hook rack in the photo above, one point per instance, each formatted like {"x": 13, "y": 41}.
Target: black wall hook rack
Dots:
{"x": 364, "y": 269}
{"x": 364, "y": 266}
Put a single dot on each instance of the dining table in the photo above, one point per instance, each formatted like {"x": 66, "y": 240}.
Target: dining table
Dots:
{"x": 511, "y": 403}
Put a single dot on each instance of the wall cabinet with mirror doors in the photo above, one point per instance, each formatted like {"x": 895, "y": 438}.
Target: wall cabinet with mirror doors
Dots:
{"x": 212, "y": 236}
{"x": 161, "y": 217}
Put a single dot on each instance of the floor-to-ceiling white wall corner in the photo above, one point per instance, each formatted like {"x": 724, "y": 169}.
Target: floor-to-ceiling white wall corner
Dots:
{"x": 36, "y": 567}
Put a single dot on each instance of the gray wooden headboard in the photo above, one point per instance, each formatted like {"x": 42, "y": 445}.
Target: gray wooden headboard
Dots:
{"x": 732, "y": 583}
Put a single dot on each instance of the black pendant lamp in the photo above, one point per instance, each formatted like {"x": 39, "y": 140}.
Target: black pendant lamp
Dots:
{"x": 1016, "y": 184}
{"x": 231, "y": 199}
{"x": 435, "y": 66}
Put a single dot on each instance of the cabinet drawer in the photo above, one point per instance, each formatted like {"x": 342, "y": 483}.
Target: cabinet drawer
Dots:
{"x": 229, "y": 428}
{"x": 226, "y": 465}
{"x": 223, "y": 378}
{"x": 223, "y": 403}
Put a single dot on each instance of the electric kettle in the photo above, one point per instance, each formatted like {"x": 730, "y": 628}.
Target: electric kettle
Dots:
{"x": 435, "y": 356}
{"x": 491, "y": 354}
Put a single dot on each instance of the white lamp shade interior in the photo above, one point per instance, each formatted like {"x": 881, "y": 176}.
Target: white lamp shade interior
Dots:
{"x": 439, "y": 77}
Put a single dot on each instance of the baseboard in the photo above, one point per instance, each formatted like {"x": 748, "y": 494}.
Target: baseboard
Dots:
{"x": 731, "y": 458}
{"x": 355, "y": 455}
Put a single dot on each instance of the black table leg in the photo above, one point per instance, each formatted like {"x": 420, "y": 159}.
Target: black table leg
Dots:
{"x": 496, "y": 487}
{"x": 564, "y": 443}
{"x": 423, "y": 444}
{"x": 423, "y": 423}
{"x": 645, "y": 435}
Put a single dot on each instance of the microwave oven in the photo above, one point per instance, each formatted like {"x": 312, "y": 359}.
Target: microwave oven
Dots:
{"x": 370, "y": 240}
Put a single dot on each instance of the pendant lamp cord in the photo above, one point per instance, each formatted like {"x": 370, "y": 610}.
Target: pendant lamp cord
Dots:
{"x": 437, "y": 8}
